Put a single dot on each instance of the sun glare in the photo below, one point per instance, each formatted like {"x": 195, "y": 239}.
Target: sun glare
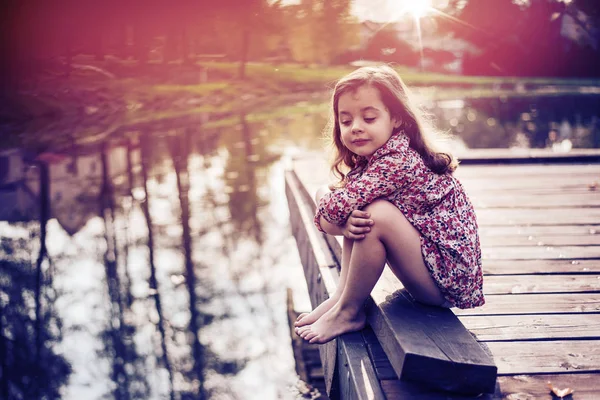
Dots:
{"x": 417, "y": 8}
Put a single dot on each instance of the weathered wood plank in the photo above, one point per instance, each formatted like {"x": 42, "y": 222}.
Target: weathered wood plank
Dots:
{"x": 524, "y": 216}
{"x": 535, "y": 304}
{"x": 519, "y": 284}
{"x": 427, "y": 344}
{"x": 508, "y": 387}
{"x": 529, "y": 267}
{"x": 319, "y": 268}
{"x": 354, "y": 365}
{"x": 347, "y": 369}
{"x": 586, "y": 386}
{"x": 528, "y": 327}
{"x": 541, "y": 252}
{"x": 529, "y": 240}
{"x": 527, "y": 199}
{"x": 399, "y": 390}
{"x": 547, "y": 230}
{"x": 526, "y": 156}
{"x": 564, "y": 171}
{"x": 544, "y": 357}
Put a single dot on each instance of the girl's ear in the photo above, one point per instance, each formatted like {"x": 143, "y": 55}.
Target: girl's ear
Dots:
{"x": 397, "y": 123}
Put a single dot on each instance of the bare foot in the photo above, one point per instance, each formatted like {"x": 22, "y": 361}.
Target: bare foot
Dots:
{"x": 332, "y": 324}
{"x": 314, "y": 315}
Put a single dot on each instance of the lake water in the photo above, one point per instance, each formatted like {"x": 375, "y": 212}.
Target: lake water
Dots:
{"x": 155, "y": 265}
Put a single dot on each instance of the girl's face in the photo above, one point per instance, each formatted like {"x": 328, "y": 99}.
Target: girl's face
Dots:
{"x": 364, "y": 121}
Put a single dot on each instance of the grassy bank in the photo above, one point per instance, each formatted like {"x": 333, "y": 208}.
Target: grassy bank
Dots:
{"x": 98, "y": 98}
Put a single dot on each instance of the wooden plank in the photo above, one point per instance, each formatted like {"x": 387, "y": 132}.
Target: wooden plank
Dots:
{"x": 535, "y": 304}
{"x": 519, "y": 284}
{"x": 529, "y": 327}
{"x": 525, "y": 216}
{"x": 354, "y": 365}
{"x": 339, "y": 357}
{"x": 544, "y": 357}
{"x": 565, "y": 181}
{"x": 427, "y": 344}
{"x": 532, "y": 171}
{"x": 551, "y": 266}
{"x": 547, "y": 230}
{"x": 400, "y": 390}
{"x": 522, "y": 240}
{"x": 586, "y": 386}
{"x": 319, "y": 268}
{"x": 541, "y": 252}
{"x": 526, "y": 156}
{"x": 527, "y": 199}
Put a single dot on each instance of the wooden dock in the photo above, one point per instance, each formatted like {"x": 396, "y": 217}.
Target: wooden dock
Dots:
{"x": 540, "y": 234}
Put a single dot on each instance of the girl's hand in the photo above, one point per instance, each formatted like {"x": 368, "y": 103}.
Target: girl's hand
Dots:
{"x": 357, "y": 225}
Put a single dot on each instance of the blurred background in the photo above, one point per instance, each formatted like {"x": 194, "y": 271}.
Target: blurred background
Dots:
{"x": 145, "y": 247}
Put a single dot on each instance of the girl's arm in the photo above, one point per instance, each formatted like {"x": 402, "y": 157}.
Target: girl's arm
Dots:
{"x": 383, "y": 177}
{"x": 355, "y": 227}
{"x": 327, "y": 227}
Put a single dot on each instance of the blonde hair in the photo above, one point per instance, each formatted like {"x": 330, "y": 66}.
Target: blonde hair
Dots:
{"x": 395, "y": 96}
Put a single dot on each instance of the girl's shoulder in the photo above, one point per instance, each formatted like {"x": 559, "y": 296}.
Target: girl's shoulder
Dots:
{"x": 397, "y": 143}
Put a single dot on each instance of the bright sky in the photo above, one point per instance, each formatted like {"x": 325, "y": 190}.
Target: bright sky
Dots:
{"x": 385, "y": 10}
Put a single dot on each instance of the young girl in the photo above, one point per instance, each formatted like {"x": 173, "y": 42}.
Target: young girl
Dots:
{"x": 399, "y": 202}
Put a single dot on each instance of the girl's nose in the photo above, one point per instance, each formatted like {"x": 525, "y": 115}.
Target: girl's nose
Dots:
{"x": 357, "y": 127}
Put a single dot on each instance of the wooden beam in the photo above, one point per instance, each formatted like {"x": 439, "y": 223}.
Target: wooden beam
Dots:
{"x": 347, "y": 369}
{"x": 425, "y": 344}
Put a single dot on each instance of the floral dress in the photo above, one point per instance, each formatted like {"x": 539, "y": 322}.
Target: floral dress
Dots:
{"x": 436, "y": 205}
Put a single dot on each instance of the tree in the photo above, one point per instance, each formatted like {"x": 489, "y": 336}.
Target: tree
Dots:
{"x": 385, "y": 45}
{"x": 320, "y": 30}
{"x": 517, "y": 38}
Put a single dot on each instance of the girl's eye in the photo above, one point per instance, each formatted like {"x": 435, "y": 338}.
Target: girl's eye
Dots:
{"x": 345, "y": 123}
{"x": 369, "y": 120}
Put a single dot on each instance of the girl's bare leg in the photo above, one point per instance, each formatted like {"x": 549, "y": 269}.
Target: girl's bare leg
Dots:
{"x": 393, "y": 238}
{"x": 309, "y": 318}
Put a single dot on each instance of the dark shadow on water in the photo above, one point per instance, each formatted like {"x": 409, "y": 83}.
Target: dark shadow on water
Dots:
{"x": 30, "y": 367}
{"x": 153, "y": 283}
{"x": 118, "y": 337}
{"x": 179, "y": 149}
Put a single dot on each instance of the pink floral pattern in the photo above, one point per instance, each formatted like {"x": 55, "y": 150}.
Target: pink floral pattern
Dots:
{"x": 436, "y": 205}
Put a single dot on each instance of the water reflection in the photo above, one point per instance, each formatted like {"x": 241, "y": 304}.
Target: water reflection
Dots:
{"x": 160, "y": 258}
{"x": 558, "y": 122}
{"x": 164, "y": 270}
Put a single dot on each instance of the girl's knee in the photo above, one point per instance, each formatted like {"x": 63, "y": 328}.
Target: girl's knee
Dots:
{"x": 381, "y": 210}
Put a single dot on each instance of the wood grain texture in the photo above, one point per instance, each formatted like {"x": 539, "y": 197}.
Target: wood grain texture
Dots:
{"x": 541, "y": 252}
{"x": 533, "y": 327}
{"x": 532, "y": 267}
{"x": 519, "y": 284}
{"x": 553, "y": 303}
{"x": 540, "y": 235}
{"x": 530, "y": 216}
{"x": 547, "y": 230}
{"x": 543, "y": 357}
{"x": 489, "y": 242}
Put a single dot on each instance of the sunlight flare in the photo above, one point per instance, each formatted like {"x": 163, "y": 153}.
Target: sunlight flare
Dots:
{"x": 416, "y": 8}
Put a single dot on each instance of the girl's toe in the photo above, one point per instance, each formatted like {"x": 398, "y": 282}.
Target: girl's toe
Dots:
{"x": 300, "y": 317}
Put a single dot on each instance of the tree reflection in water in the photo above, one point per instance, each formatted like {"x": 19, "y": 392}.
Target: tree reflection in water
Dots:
{"x": 169, "y": 253}
{"x": 29, "y": 325}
